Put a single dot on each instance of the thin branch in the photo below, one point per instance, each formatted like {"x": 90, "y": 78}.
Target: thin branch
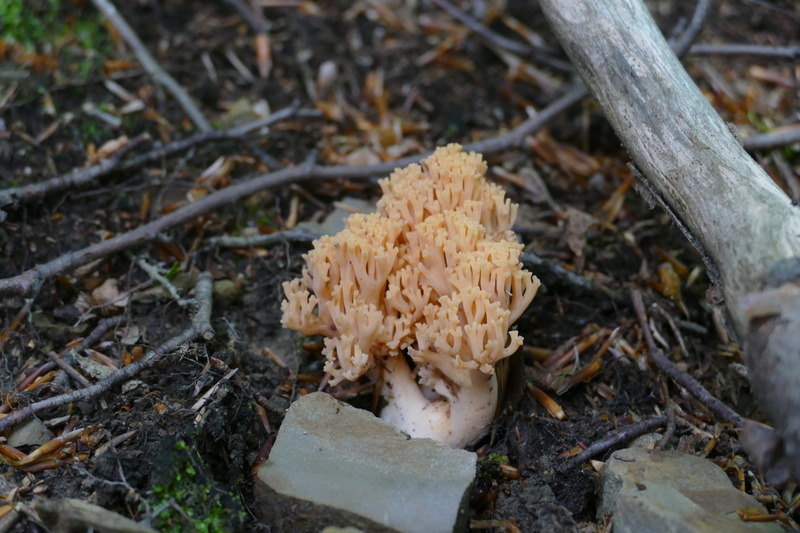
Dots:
{"x": 31, "y": 280}
{"x": 492, "y": 38}
{"x": 239, "y": 133}
{"x": 613, "y": 439}
{"x": 155, "y": 275}
{"x": 664, "y": 365}
{"x": 580, "y": 283}
{"x": 76, "y": 376}
{"x": 252, "y": 17}
{"x": 231, "y": 241}
{"x": 197, "y": 329}
{"x": 669, "y": 431}
{"x": 204, "y": 292}
{"x": 783, "y": 52}
{"x": 516, "y": 137}
{"x": 496, "y": 40}
{"x": 76, "y": 178}
{"x": 84, "y": 176}
{"x": 152, "y": 67}
{"x": 771, "y": 141}
{"x": 97, "y": 333}
{"x": 682, "y": 44}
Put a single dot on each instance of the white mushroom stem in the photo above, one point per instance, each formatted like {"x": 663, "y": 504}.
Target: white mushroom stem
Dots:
{"x": 455, "y": 418}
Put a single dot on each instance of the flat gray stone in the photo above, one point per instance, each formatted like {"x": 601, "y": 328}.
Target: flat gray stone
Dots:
{"x": 363, "y": 472}
{"x": 30, "y": 433}
{"x": 672, "y": 492}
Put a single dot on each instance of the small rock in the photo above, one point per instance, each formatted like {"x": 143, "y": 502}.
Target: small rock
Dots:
{"x": 652, "y": 490}
{"x": 334, "y": 222}
{"x": 648, "y": 441}
{"x": 225, "y": 290}
{"x": 333, "y": 464}
{"x": 30, "y": 433}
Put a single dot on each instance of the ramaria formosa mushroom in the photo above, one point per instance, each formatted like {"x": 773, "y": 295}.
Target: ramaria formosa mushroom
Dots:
{"x": 423, "y": 291}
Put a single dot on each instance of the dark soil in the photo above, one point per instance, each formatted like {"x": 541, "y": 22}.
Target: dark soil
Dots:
{"x": 442, "y": 84}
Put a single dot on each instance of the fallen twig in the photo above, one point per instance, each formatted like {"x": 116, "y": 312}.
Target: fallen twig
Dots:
{"x": 152, "y": 67}
{"x": 238, "y": 133}
{"x": 669, "y": 431}
{"x": 29, "y": 281}
{"x": 76, "y": 376}
{"x": 200, "y": 327}
{"x": 664, "y": 365}
{"x": 787, "y": 52}
{"x": 232, "y": 241}
{"x": 682, "y": 44}
{"x": 580, "y": 283}
{"x": 770, "y": 141}
{"x": 76, "y": 178}
{"x": 99, "y": 330}
{"x": 255, "y": 19}
{"x": 614, "y": 438}
{"x": 496, "y": 40}
{"x": 155, "y": 275}
{"x": 84, "y": 176}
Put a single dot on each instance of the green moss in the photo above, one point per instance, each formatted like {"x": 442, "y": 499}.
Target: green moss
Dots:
{"x": 27, "y": 22}
{"x": 185, "y": 496}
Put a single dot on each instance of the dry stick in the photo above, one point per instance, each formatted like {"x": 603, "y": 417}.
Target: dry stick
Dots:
{"x": 85, "y": 176}
{"x": 204, "y": 292}
{"x": 99, "y": 330}
{"x": 152, "y": 67}
{"x": 482, "y": 31}
{"x": 76, "y": 376}
{"x": 231, "y": 241}
{"x": 495, "y": 39}
{"x": 564, "y": 276}
{"x": 29, "y": 281}
{"x": 75, "y": 178}
{"x": 613, "y": 439}
{"x": 787, "y": 52}
{"x": 200, "y": 327}
{"x": 664, "y": 365}
{"x": 236, "y": 134}
{"x": 669, "y": 431}
{"x": 682, "y": 44}
{"x": 771, "y": 141}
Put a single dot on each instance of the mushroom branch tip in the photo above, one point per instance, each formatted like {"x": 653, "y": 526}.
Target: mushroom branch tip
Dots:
{"x": 421, "y": 293}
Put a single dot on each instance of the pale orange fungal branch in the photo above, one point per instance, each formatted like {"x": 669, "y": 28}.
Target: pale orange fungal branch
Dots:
{"x": 423, "y": 291}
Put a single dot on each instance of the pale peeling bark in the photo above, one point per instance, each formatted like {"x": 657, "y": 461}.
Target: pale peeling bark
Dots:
{"x": 747, "y": 229}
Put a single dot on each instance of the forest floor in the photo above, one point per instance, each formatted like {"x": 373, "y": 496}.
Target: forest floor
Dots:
{"x": 358, "y": 85}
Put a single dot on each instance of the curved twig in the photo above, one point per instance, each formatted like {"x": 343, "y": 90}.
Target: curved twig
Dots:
{"x": 614, "y": 438}
{"x": 682, "y": 44}
{"x": 200, "y": 328}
